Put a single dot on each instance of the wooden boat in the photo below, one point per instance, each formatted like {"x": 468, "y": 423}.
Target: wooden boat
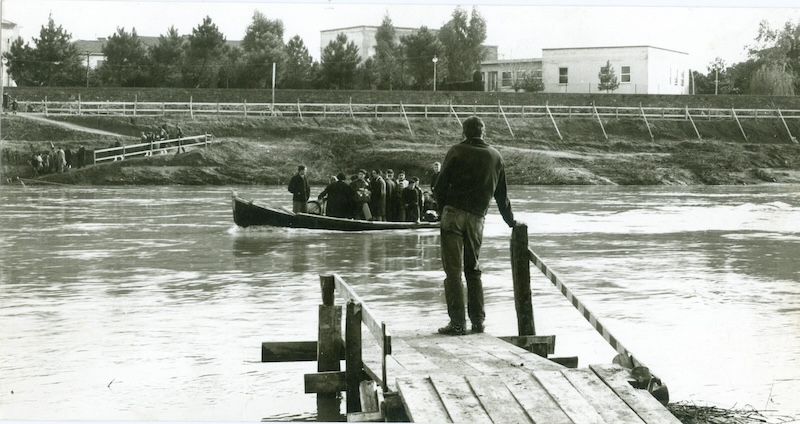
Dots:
{"x": 247, "y": 213}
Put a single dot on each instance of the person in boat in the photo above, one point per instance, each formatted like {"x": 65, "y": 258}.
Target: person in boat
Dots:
{"x": 399, "y": 205}
{"x": 361, "y": 195}
{"x": 81, "y": 156}
{"x": 437, "y": 168}
{"x": 300, "y": 190}
{"x": 339, "y": 198}
{"x": 472, "y": 173}
{"x": 391, "y": 187}
{"x": 377, "y": 203}
{"x": 412, "y": 200}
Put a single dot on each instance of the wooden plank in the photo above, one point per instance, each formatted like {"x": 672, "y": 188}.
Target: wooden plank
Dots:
{"x": 446, "y": 361}
{"x": 566, "y": 361}
{"x": 512, "y": 354}
{"x": 460, "y": 402}
{"x": 325, "y": 382}
{"x": 410, "y": 358}
{"x": 354, "y": 364}
{"x": 521, "y": 276}
{"x": 601, "y": 397}
{"x": 568, "y": 398}
{"x": 422, "y": 403}
{"x": 291, "y": 351}
{"x": 497, "y": 400}
{"x": 367, "y": 317}
{"x": 536, "y": 401}
{"x": 365, "y": 417}
{"x": 368, "y": 396}
{"x": 533, "y": 343}
{"x": 641, "y": 401}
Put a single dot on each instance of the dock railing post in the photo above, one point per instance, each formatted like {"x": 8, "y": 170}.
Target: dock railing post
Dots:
{"x": 354, "y": 366}
{"x": 329, "y": 343}
{"x": 521, "y": 275}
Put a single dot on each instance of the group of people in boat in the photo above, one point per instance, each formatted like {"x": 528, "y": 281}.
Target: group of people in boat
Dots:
{"x": 377, "y": 195}
{"x": 57, "y": 160}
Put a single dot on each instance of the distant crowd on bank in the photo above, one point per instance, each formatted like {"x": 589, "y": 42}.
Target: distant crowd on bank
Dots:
{"x": 57, "y": 160}
{"x": 376, "y": 196}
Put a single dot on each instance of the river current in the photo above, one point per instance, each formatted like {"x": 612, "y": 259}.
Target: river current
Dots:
{"x": 148, "y": 303}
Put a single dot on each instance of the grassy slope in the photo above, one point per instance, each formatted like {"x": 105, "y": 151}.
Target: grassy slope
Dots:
{"x": 267, "y": 150}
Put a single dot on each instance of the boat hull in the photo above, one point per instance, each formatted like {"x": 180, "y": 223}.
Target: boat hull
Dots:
{"x": 247, "y": 213}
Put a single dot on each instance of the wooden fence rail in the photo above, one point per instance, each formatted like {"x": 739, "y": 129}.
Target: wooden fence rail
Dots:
{"x": 150, "y": 148}
{"x": 378, "y": 110}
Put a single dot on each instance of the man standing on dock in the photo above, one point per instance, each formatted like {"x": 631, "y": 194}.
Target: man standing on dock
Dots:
{"x": 472, "y": 173}
{"x": 300, "y": 190}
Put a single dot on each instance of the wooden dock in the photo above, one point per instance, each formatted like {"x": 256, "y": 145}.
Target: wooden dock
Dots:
{"x": 476, "y": 378}
{"x": 479, "y": 378}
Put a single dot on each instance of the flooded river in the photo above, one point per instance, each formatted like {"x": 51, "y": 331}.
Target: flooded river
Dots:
{"x": 147, "y": 303}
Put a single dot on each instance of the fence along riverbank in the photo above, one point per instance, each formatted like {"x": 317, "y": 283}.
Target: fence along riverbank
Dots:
{"x": 406, "y": 111}
{"x": 428, "y": 377}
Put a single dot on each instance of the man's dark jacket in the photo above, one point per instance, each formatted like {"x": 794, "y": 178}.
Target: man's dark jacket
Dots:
{"x": 299, "y": 188}
{"x": 472, "y": 173}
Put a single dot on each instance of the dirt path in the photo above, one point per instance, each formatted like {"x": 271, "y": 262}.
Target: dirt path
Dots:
{"x": 41, "y": 118}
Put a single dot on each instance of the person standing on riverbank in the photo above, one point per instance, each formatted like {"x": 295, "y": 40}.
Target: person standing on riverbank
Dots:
{"x": 472, "y": 173}
{"x": 300, "y": 190}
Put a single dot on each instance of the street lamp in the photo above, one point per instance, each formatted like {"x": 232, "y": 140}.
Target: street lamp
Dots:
{"x": 434, "y": 60}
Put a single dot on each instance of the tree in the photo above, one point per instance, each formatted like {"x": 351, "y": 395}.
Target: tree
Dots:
{"x": 263, "y": 46}
{"x": 463, "y": 44}
{"x": 772, "y": 80}
{"x": 166, "y": 58}
{"x": 778, "y": 50}
{"x": 419, "y": 49}
{"x": 125, "y": 61}
{"x": 53, "y": 61}
{"x": 387, "y": 54}
{"x": 608, "y": 78}
{"x": 298, "y": 66}
{"x": 531, "y": 83}
{"x": 205, "y": 51}
{"x": 338, "y": 63}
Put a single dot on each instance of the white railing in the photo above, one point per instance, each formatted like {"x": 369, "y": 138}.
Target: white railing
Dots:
{"x": 150, "y": 148}
{"x": 401, "y": 110}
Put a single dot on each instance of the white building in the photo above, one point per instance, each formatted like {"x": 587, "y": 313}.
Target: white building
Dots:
{"x": 10, "y": 32}
{"x": 639, "y": 69}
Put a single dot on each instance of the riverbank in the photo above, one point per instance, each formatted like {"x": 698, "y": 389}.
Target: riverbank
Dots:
{"x": 266, "y": 151}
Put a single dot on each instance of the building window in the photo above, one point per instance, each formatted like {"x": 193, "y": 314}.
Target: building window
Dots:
{"x": 563, "y": 76}
{"x": 537, "y": 74}
{"x": 506, "y": 79}
{"x": 625, "y": 74}
{"x": 683, "y": 78}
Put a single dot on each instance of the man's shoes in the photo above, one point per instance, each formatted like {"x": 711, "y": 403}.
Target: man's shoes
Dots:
{"x": 453, "y": 330}
{"x": 478, "y": 328}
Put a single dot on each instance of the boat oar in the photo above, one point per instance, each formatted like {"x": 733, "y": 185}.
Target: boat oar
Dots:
{"x": 624, "y": 357}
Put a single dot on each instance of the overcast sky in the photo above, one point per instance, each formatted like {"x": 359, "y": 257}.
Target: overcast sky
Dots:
{"x": 520, "y": 29}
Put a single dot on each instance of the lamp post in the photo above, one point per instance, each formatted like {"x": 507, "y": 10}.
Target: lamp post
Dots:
{"x": 434, "y": 60}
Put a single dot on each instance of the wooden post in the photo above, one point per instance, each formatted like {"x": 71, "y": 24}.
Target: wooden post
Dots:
{"x": 500, "y": 109}
{"x": 191, "y": 112}
{"x": 354, "y": 366}
{"x": 553, "y": 120}
{"x": 733, "y": 113}
{"x": 521, "y": 274}
{"x": 245, "y": 108}
{"x": 299, "y": 112}
{"x": 79, "y": 104}
{"x": 402, "y": 109}
{"x": 600, "y": 121}
{"x": 135, "y": 103}
{"x": 645, "y": 122}
{"x": 328, "y": 345}
{"x": 45, "y": 106}
{"x": 791, "y": 137}
{"x": 689, "y": 115}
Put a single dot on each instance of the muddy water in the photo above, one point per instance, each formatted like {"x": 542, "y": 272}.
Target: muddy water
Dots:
{"x": 147, "y": 303}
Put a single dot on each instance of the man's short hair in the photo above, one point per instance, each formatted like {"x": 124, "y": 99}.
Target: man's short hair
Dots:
{"x": 301, "y": 167}
{"x": 473, "y": 127}
{"x": 341, "y": 176}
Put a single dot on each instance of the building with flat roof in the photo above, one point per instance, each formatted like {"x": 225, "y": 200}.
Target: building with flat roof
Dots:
{"x": 639, "y": 70}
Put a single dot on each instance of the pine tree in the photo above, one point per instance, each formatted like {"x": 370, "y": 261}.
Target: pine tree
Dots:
{"x": 608, "y": 78}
